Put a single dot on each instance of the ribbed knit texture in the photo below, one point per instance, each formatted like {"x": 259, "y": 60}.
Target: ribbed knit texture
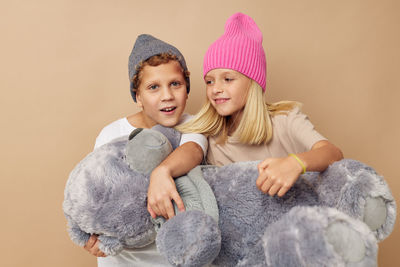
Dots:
{"x": 240, "y": 49}
{"x": 144, "y": 48}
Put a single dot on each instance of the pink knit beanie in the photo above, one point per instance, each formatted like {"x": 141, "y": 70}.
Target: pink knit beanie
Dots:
{"x": 239, "y": 48}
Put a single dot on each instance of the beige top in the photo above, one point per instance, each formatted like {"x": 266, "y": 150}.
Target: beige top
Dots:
{"x": 292, "y": 133}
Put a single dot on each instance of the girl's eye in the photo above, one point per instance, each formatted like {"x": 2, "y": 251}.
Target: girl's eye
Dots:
{"x": 228, "y": 79}
{"x": 208, "y": 82}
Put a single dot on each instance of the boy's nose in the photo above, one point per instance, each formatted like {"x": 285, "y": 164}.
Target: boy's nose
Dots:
{"x": 166, "y": 94}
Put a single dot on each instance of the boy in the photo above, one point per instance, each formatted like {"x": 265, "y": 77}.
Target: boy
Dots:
{"x": 160, "y": 85}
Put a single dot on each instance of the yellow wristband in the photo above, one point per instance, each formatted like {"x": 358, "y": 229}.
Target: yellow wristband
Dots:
{"x": 299, "y": 161}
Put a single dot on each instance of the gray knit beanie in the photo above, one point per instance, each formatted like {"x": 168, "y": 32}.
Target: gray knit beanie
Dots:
{"x": 147, "y": 46}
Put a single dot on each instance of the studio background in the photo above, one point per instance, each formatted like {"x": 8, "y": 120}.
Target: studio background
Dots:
{"x": 64, "y": 77}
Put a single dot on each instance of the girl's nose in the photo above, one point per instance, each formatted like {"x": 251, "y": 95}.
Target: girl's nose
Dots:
{"x": 217, "y": 88}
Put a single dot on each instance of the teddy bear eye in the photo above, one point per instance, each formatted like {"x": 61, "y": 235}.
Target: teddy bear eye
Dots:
{"x": 134, "y": 133}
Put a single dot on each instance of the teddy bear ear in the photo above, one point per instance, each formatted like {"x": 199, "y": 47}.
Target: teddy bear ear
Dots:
{"x": 134, "y": 133}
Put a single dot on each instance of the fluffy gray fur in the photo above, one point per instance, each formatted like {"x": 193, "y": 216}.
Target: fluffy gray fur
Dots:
{"x": 315, "y": 236}
{"x": 319, "y": 222}
{"x": 246, "y": 215}
{"x": 355, "y": 188}
{"x": 190, "y": 238}
{"x": 106, "y": 193}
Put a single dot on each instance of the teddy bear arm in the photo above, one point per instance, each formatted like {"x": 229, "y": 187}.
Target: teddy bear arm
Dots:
{"x": 110, "y": 245}
{"x": 191, "y": 238}
{"x": 357, "y": 190}
{"x": 78, "y": 236}
{"x": 317, "y": 236}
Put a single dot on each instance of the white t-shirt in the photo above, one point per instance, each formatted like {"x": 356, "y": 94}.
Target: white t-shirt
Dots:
{"x": 147, "y": 256}
{"x": 122, "y": 127}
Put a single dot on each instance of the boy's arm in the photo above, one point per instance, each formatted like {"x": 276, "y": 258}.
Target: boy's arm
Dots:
{"x": 277, "y": 175}
{"x": 162, "y": 187}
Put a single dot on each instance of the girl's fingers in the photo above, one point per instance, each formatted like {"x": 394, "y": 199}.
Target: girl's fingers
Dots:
{"x": 263, "y": 164}
{"x": 262, "y": 177}
{"x": 151, "y": 211}
{"x": 156, "y": 210}
{"x": 283, "y": 190}
{"x": 274, "y": 189}
{"x": 163, "y": 211}
{"x": 266, "y": 185}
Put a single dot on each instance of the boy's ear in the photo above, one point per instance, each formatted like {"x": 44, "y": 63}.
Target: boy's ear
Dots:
{"x": 139, "y": 100}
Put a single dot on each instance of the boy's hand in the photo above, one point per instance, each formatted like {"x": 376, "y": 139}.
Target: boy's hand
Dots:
{"x": 277, "y": 175}
{"x": 161, "y": 191}
{"x": 92, "y": 246}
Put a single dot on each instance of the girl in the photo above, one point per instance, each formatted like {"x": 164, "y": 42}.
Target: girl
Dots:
{"x": 240, "y": 126}
{"x": 160, "y": 86}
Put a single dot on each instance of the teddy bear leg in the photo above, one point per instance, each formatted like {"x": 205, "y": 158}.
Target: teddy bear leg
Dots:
{"x": 191, "y": 238}
{"x": 110, "y": 245}
{"x": 319, "y": 236}
{"x": 357, "y": 190}
{"x": 78, "y": 236}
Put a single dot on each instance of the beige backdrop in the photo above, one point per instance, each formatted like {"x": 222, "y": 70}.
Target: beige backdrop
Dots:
{"x": 64, "y": 76}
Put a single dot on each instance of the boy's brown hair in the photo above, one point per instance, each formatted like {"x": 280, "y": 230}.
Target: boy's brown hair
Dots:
{"x": 155, "y": 61}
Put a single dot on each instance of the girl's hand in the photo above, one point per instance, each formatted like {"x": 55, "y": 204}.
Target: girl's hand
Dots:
{"x": 92, "y": 246}
{"x": 161, "y": 191}
{"x": 277, "y": 175}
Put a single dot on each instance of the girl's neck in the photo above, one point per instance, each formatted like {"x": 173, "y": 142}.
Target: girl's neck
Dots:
{"x": 233, "y": 122}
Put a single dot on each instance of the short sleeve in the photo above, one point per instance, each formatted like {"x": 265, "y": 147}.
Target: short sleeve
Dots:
{"x": 199, "y": 139}
{"x": 102, "y": 138}
{"x": 113, "y": 130}
{"x": 301, "y": 131}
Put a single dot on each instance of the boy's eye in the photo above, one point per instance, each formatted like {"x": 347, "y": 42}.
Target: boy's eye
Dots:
{"x": 153, "y": 86}
{"x": 175, "y": 84}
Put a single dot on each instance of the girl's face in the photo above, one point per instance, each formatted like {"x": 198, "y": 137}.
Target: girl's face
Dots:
{"x": 162, "y": 94}
{"x": 227, "y": 91}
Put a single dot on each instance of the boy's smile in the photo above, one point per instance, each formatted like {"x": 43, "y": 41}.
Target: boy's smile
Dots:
{"x": 162, "y": 94}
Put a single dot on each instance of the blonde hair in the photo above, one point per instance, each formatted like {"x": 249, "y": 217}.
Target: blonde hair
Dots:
{"x": 255, "y": 126}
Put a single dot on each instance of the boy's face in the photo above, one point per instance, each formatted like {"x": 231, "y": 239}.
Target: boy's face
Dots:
{"x": 162, "y": 93}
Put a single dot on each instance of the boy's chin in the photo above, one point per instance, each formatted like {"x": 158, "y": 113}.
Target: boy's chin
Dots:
{"x": 170, "y": 122}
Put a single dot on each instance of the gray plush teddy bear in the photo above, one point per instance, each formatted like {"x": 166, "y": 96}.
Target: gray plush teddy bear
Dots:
{"x": 334, "y": 218}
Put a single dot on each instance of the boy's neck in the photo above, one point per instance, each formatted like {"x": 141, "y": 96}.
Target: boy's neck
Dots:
{"x": 139, "y": 120}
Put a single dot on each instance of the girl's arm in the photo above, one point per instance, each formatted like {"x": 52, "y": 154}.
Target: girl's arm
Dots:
{"x": 162, "y": 187}
{"x": 277, "y": 175}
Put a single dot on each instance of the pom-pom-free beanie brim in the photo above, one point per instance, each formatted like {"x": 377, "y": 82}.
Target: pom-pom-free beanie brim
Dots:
{"x": 144, "y": 48}
{"x": 240, "y": 49}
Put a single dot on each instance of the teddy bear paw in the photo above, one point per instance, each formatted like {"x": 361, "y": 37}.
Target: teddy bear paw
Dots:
{"x": 319, "y": 236}
{"x": 191, "y": 238}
